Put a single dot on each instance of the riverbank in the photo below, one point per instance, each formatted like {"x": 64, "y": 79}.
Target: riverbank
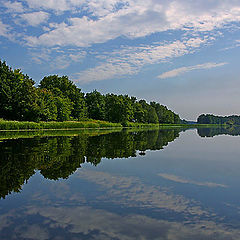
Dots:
{"x": 24, "y": 125}
{"x": 89, "y": 124}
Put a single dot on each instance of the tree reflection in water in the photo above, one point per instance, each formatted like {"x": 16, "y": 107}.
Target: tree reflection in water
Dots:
{"x": 59, "y": 157}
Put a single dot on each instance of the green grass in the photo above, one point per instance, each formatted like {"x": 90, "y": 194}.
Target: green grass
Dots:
{"x": 17, "y": 129}
{"x": 22, "y": 125}
{"x": 54, "y": 133}
{"x": 140, "y": 125}
{"x": 167, "y": 125}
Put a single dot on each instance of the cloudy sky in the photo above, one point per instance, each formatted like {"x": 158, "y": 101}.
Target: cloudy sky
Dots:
{"x": 182, "y": 53}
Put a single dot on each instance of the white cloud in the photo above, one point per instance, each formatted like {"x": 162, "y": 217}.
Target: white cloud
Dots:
{"x": 77, "y": 57}
{"x": 130, "y": 60}
{"x": 89, "y": 22}
{"x": 55, "y": 58}
{"x": 56, "y": 5}
{"x": 16, "y": 7}
{"x": 135, "y": 19}
{"x": 60, "y": 62}
{"x": 183, "y": 180}
{"x": 234, "y": 45}
{"x": 131, "y": 192}
{"x": 98, "y": 223}
{"x": 4, "y": 29}
{"x": 94, "y": 7}
{"x": 40, "y": 56}
{"x": 178, "y": 71}
{"x": 35, "y": 18}
{"x": 105, "y": 71}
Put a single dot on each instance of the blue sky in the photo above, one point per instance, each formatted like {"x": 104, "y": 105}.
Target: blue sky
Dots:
{"x": 182, "y": 53}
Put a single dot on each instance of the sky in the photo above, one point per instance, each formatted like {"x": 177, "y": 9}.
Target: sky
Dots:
{"x": 183, "y": 54}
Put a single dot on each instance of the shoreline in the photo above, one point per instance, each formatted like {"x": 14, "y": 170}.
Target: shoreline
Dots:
{"x": 12, "y": 126}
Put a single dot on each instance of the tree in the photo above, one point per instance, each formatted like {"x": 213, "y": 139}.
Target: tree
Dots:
{"x": 18, "y": 95}
{"x": 150, "y": 115}
{"x": 7, "y": 84}
{"x": 139, "y": 113}
{"x": 164, "y": 114}
{"x": 96, "y": 105}
{"x": 64, "y": 108}
{"x": 25, "y": 98}
{"x": 212, "y": 119}
{"x": 48, "y": 107}
{"x": 58, "y": 98}
{"x": 64, "y": 88}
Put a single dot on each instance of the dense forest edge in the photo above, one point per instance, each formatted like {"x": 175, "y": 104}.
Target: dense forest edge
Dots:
{"x": 220, "y": 120}
{"x": 233, "y": 130}
{"x": 58, "y": 103}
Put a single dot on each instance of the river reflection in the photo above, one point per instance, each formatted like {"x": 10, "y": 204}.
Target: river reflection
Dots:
{"x": 211, "y": 132}
{"x": 122, "y": 185}
{"x": 59, "y": 157}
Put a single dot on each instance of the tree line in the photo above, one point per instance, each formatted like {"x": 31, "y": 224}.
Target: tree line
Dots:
{"x": 212, "y": 119}
{"x": 233, "y": 130}
{"x": 57, "y": 98}
{"x": 59, "y": 157}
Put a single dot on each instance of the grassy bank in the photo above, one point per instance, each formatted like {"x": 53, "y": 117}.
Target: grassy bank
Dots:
{"x": 55, "y": 133}
{"x": 19, "y": 125}
{"x": 168, "y": 125}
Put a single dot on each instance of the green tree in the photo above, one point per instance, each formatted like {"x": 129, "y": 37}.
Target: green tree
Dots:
{"x": 164, "y": 114}
{"x": 48, "y": 107}
{"x": 96, "y": 105}
{"x": 25, "y": 98}
{"x": 64, "y": 108}
{"x": 64, "y": 88}
{"x": 57, "y": 98}
{"x": 139, "y": 113}
{"x": 119, "y": 108}
{"x": 7, "y": 84}
{"x": 18, "y": 95}
{"x": 150, "y": 115}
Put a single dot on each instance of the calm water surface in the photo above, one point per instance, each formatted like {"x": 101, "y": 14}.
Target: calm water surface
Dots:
{"x": 155, "y": 184}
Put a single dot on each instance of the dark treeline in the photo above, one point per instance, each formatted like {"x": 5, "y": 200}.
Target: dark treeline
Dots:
{"x": 58, "y": 99}
{"x": 212, "y": 119}
{"x": 59, "y": 157}
{"x": 211, "y": 132}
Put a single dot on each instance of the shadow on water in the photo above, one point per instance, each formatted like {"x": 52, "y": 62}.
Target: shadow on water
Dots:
{"x": 224, "y": 130}
{"x": 60, "y": 156}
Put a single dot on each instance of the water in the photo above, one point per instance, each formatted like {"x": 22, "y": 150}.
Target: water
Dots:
{"x": 155, "y": 184}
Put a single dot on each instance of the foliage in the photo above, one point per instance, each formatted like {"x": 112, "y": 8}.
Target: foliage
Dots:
{"x": 164, "y": 114}
{"x": 96, "y": 105}
{"x": 59, "y": 99}
{"x": 60, "y": 156}
{"x": 233, "y": 130}
{"x": 18, "y": 95}
{"x": 69, "y": 97}
{"x": 118, "y": 108}
{"x": 149, "y": 113}
{"x": 20, "y": 125}
{"x": 212, "y": 119}
{"x": 47, "y": 104}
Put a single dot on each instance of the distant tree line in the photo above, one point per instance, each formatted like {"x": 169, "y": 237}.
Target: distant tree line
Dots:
{"x": 59, "y": 99}
{"x": 232, "y": 130}
{"x": 212, "y": 119}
